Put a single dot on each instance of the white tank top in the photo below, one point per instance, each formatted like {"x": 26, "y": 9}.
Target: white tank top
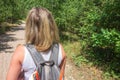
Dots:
{"x": 28, "y": 64}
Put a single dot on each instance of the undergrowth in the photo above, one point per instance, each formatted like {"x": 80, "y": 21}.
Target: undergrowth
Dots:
{"x": 5, "y": 26}
{"x": 74, "y": 50}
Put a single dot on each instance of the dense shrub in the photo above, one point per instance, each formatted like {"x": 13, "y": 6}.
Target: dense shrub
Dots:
{"x": 95, "y": 22}
{"x": 107, "y": 39}
{"x": 11, "y": 10}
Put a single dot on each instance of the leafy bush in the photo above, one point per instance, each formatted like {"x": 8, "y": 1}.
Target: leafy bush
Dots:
{"x": 107, "y": 39}
{"x": 11, "y": 10}
{"x": 110, "y": 16}
{"x": 95, "y": 22}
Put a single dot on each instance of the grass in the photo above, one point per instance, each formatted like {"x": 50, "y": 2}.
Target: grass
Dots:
{"x": 75, "y": 50}
{"x": 72, "y": 48}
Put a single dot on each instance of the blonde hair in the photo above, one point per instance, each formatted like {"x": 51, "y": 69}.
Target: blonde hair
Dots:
{"x": 41, "y": 29}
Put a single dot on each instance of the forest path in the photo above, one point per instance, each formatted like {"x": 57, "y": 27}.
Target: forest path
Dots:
{"x": 15, "y": 36}
{"x": 8, "y": 43}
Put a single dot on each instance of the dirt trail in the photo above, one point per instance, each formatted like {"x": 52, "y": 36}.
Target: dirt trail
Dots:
{"x": 8, "y": 43}
{"x": 15, "y": 36}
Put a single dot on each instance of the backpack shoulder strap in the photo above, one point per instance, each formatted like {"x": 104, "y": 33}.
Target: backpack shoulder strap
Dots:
{"x": 37, "y": 57}
{"x": 55, "y": 52}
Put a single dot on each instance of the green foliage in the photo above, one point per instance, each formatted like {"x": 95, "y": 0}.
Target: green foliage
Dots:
{"x": 95, "y": 22}
{"x": 110, "y": 16}
{"x": 79, "y": 60}
{"x": 106, "y": 38}
{"x": 117, "y": 47}
{"x": 11, "y": 10}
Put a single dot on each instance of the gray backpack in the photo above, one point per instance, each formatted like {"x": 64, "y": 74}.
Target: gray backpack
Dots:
{"x": 45, "y": 70}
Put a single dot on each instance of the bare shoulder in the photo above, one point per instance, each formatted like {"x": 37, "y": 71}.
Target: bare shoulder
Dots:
{"x": 19, "y": 47}
{"x": 16, "y": 63}
{"x": 19, "y": 53}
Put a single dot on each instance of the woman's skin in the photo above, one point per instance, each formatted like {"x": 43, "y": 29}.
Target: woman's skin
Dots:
{"x": 17, "y": 60}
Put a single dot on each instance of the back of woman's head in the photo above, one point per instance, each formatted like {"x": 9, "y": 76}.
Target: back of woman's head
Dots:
{"x": 41, "y": 29}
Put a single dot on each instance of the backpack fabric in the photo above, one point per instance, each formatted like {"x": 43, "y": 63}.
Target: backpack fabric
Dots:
{"x": 45, "y": 70}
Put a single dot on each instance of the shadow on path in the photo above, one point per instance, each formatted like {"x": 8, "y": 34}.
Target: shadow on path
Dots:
{"x": 7, "y": 38}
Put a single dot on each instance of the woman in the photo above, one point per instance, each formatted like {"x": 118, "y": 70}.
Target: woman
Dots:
{"x": 42, "y": 32}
